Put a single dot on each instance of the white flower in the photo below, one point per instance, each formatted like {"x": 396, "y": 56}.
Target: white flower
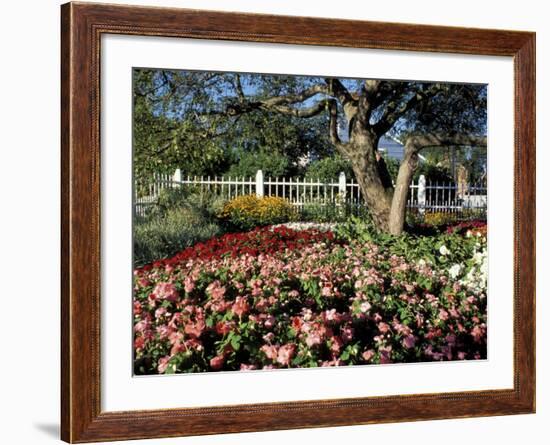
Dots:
{"x": 421, "y": 263}
{"x": 443, "y": 250}
{"x": 455, "y": 270}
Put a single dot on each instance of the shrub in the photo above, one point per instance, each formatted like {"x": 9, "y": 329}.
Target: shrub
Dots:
{"x": 328, "y": 169}
{"x": 458, "y": 248}
{"x": 249, "y": 211}
{"x": 331, "y": 212}
{"x": 271, "y": 163}
{"x": 439, "y": 218}
{"x": 163, "y": 235}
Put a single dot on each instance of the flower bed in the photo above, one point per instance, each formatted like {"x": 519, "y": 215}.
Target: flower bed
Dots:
{"x": 266, "y": 240}
{"x": 274, "y": 298}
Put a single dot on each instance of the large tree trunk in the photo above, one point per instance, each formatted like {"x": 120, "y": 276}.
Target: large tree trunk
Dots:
{"x": 401, "y": 192}
{"x": 362, "y": 153}
{"x": 413, "y": 145}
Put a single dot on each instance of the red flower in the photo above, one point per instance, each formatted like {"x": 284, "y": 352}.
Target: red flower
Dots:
{"x": 217, "y": 362}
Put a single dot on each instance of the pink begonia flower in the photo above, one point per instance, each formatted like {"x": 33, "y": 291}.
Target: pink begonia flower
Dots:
{"x": 335, "y": 362}
{"x": 383, "y": 327}
{"x": 139, "y": 343}
{"x": 193, "y": 343}
{"x": 144, "y": 282}
{"x": 189, "y": 284}
{"x": 224, "y": 327}
{"x": 175, "y": 337}
{"x": 336, "y": 345}
{"x": 216, "y": 363}
{"x": 216, "y": 290}
{"x": 294, "y": 293}
{"x": 137, "y": 308}
{"x": 296, "y": 324}
{"x": 347, "y": 334}
{"x": 454, "y": 313}
{"x": 240, "y": 307}
{"x": 443, "y": 314}
{"x": 166, "y": 291}
{"x": 270, "y": 321}
{"x": 461, "y": 355}
{"x": 329, "y": 315}
{"x": 307, "y": 314}
{"x": 160, "y": 312}
{"x": 409, "y": 287}
{"x": 368, "y": 355}
{"x": 313, "y": 338}
{"x": 326, "y": 291}
{"x": 478, "y": 333}
{"x": 261, "y": 305}
{"x": 141, "y": 326}
{"x": 247, "y": 367}
{"x": 451, "y": 339}
{"x": 385, "y": 355}
{"x": 163, "y": 332}
{"x": 270, "y": 351}
{"x": 163, "y": 364}
{"x": 365, "y": 306}
{"x": 286, "y": 353}
{"x": 195, "y": 329}
{"x": 409, "y": 341}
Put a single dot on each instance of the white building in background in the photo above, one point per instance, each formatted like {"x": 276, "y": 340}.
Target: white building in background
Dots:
{"x": 391, "y": 148}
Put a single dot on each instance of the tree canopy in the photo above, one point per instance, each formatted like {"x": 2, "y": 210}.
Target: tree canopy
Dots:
{"x": 205, "y": 122}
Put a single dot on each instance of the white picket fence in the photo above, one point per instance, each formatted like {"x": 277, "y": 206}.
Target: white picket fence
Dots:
{"x": 433, "y": 197}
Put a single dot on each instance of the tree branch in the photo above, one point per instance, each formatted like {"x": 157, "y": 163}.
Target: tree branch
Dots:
{"x": 340, "y": 92}
{"x": 396, "y": 108}
{"x": 239, "y": 88}
{"x": 290, "y": 99}
{"x": 419, "y": 141}
{"x": 333, "y": 123}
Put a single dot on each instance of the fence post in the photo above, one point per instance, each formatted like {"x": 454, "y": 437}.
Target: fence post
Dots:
{"x": 342, "y": 186}
{"x": 259, "y": 183}
{"x": 421, "y": 194}
{"x": 177, "y": 178}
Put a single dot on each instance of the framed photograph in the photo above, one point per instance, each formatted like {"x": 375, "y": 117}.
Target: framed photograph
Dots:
{"x": 274, "y": 222}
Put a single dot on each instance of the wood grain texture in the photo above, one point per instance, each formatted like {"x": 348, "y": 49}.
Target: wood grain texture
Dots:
{"x": 82, "y": 26}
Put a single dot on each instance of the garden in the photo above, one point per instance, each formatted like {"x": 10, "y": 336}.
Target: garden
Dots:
{"x": 291, "y": 221}
{"x": 250, "y": 283}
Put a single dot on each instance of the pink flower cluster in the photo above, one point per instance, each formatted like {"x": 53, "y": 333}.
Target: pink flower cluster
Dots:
{"x": 320, "y": 303}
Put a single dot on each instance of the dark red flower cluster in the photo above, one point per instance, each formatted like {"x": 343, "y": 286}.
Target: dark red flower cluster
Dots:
{"x": 266, "y": 240}
{"x": 475, "y": 226}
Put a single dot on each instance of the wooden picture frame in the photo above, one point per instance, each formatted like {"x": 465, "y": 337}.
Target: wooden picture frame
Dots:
{"x": 82, "y": 26}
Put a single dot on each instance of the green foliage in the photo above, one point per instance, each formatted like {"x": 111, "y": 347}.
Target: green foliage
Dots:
{"x": 433, "y": 172}
{"x": 328, "y": 213}
{"x": 328, "y": 169}
{"x": 164, "y": 139}
{"x": 272, "y": 164}
{"x": 412, "y": 247}
{"x": 172, "y": 228}
{"x": 392, "y": 165}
